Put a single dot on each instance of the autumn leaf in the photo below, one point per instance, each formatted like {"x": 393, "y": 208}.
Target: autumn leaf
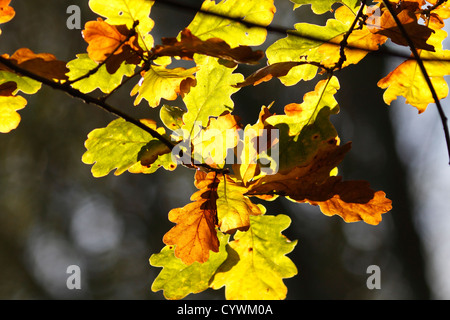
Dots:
{"x": 128, "y": 13}
{"x": 161, "y": 83}
{"x": 207, "y": 26}
{"x": 172, "y": 116}
{"x": 211, "y": 144}
{"x": 257, "y": 264}
{"x": 101, "y": 79}
{"x": 177, "y": 280}
{"x": 250, "y": 149}
{"x": 212, "y": 94}
{"x": 111, "y": 44}
{"x": 7, "y": 13}
{"x": 408, "y": 81}
{"x": 195, "y": 235}
{"x": 42, "y": 64}
{"x": 312, "y": 183}
{"x": 387, "y": 26}
{"x": 9, "y": 118}
{"x": 118, "y": 147}
{"x": 188, "y": 45}
{"x": 233, "y": 207}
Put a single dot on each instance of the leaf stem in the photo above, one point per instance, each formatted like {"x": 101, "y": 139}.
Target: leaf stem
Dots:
{"x": 424, "y": 72}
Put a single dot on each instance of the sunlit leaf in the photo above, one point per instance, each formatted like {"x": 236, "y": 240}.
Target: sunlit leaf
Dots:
{"x": 161, "y": 83}
{"x": 177, "y": 280}
{"x": 101, "y": 79}
{"x": 194, "y": 236}
{"x": 9, "y": 118}
{"x": 206, "y": 26}
{"x": 257, "y": 264}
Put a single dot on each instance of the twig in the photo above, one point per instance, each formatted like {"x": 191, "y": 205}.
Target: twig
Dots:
{"x": 344, "y": 43}
{"x": 86, "y": 98}
{"x": 424, "y": 72}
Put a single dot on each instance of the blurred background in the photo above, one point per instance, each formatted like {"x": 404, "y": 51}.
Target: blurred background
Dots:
{"x": 53, "y": 213}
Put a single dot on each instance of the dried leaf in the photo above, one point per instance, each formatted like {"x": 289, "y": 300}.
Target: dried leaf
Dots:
{"x": 195, "y": 235}
{"x": 189, "y": 44}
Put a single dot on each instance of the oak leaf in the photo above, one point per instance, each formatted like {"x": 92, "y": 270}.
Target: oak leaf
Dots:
{"x": 158, "y": 83}
{"x": 257, "y": 263}
{"x": 312, "y": 183}
{"x": 9, "y": 118}
{"x": 188, "y": 45}
{"x": 418, "y": 34}
{"x": 42, "y": 64}
{"x": 195, "y": 234}
{"x": 233, "y": 207}
{"x": 408, "y": 81}
{"x": 7, "y": 13}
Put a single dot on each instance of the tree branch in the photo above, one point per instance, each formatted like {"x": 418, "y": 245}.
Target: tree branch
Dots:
{"x": 86, "y": 98}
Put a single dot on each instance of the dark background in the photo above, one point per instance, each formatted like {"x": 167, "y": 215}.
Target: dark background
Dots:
{"x": 53, "y": 213}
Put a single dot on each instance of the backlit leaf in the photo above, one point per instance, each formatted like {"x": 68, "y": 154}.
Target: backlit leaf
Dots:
{"x": 195, "y": 235}
{"x": 312, "y": 183}
{"x": 177, "y": 280}
{"x": 212, "y": 94}
{"x": 189, "y": 44}
{"x": 116, "y": 147}
{"x": 233, "y": 207}
{"x": 127, "y": 12}
{"x": 161, "y": 83}
{"x": 322, "y": 6}
{"x": 101, "y": 79}
{"x": 206, "y": 26}
{"x": 9, "y": 118}
{"x": 408, "y": 81}
{"x": 7, "y": 13}
{"x": 257, "y": 262}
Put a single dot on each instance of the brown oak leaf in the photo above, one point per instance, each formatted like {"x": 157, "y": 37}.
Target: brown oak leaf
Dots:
{"x": 42, "y": 64}
{"x": 313, "y": 184}
{"x": 189, "y": 44}
{"x": 195, "y": 235}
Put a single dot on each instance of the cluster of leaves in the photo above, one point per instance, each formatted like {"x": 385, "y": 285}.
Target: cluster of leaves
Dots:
{"x": 224, "y": 237}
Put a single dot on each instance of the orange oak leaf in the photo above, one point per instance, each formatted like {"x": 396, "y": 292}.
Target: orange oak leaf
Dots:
{"x": 312, "y": 183}
{"x": 406, "y": 13}
{"x": 195, "y": 235}
{"x": 6, "y": 12}
{"x": 189, "y": 44}
{"x": 42, "y": 64}
{"x": 105, "y": 40}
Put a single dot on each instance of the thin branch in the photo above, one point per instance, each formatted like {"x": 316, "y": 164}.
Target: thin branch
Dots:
{"x": 344, "y": 43}
{"x": 424, "y": 72}
{"x": 86, "y": 98}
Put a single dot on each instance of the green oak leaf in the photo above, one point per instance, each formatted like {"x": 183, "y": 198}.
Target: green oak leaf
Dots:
{"x": 118, "y": 146}
{"x": 302, "y": 45}
{"x": 305, "y": 127}
{"x": 212, "y": 94}
{"x": 259, "y": 12}
{"x": 257, "y": 262}
{"x": 101, "y": 79}
{"x": 24, "y": 84}
{"x": 177, "y": 280}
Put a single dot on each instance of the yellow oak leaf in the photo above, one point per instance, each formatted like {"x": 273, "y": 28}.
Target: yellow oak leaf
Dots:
{"x": 161, "y": 83}
{"x": 408, "y": 81}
